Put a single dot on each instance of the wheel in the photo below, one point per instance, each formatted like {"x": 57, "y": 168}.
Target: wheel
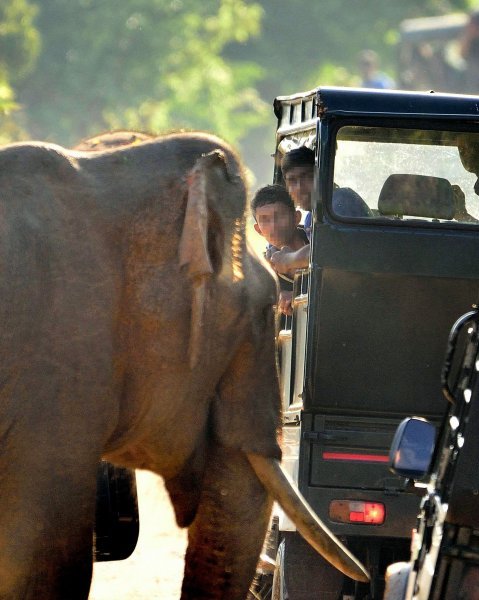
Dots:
{"x": 262, "y": 585}
{"x": 278, "y": 590}
{"x": 301, "y": 573}
{"x": 117, "y": 519}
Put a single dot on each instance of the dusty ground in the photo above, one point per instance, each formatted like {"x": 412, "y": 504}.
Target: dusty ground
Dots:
{"x": 155, "y": 569}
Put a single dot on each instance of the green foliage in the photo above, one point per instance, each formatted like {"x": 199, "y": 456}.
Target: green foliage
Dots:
{"x": 19, "y": 40}
{"x": 158, "y": 65}
{"x": 198, "y": 88}
{"x": 303, "y": 39}
{"x": 8, "y": 129}
{"x": 147, "y": 64}
{"x": 305, "y": 44}
{"x": 19, "y": 46}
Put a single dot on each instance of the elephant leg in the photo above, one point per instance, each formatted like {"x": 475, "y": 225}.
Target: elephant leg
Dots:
{"x": 47, "y": 505}
{"x": 225, "y": 539}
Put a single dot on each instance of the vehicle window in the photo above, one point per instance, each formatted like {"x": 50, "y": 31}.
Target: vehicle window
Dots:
{"x": 407, "y": 174}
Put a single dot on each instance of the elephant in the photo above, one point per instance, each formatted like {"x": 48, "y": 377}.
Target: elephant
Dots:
{"x": 112, "y": 139}
{"x": 138, "y": 328}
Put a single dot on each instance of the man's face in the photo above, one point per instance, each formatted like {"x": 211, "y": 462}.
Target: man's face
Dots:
{"x": 299, "y": 183}
{"x": 469, "y": 154}
{"x": 277, "y": 223}
{"x": 468, "y": 147}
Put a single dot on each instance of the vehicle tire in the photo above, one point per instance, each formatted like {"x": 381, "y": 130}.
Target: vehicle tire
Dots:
{"x": 301, "y": 573}
{"x": 397, "y": 576}
{"x": 278, "y": 591}
{"x": 261, "y": 587}
{"x": 117, "y": 518}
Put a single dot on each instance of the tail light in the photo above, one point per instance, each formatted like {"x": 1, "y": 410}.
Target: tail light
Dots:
{"x": 354, "y": 511}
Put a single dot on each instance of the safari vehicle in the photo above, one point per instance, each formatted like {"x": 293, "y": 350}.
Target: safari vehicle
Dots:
{"x": 371, "y": 314}
{"x": 444, "y": 563}
{"x": 428, "y": 54}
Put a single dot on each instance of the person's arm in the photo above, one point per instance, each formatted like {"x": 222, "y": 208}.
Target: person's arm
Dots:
{"x": 471, "y": 33}
{"x": 285, "y": 302}
{"x": 285, "y": 260}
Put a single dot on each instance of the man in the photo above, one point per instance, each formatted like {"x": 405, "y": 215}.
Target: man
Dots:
{"x": 468, "y": 147}
{"x": 460, "y": 212}
{"x": 298, "y": 170}
{"x": 277, "y": 221}
{"x": 371, "y": 76}
{"x": 469, "y": 51}
{"x": 297, "y": 167}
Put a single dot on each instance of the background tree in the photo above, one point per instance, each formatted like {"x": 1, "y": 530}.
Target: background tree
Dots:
{"x": 304, "y": 44}
{"x": 146, "y": 64}
{"x": 168, "y": 64}
{"x": 19, "y": 46}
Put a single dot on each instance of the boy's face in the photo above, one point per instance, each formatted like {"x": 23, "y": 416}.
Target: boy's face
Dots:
{"x": 277, "y": 223}
{"x": 299, "y": 183}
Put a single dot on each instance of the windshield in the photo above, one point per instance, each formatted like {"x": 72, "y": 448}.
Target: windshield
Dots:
{"x": 398, "y": 174}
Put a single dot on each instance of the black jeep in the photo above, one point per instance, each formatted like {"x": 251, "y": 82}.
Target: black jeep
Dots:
{"x": 444, "y": 562}
{"x": 372, "y": 313}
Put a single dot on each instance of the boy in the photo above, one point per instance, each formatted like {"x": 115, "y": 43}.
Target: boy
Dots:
{"x": 277, "y": 221}
{"x": 298, "y": 167}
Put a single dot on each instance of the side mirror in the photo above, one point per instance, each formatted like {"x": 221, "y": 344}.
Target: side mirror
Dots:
{"x": 412, "y": 448}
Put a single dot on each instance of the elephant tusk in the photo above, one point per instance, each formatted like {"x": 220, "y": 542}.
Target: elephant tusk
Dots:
{"x": 283, "y": 490}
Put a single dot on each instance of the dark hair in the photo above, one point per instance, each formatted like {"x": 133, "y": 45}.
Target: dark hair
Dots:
{"x": 368, "y": 57}
{"x": 297, "y": 158}
{"x": 270, "y": 194}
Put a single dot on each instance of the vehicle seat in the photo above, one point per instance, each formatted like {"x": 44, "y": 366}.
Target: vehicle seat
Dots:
{"x": 417, "y": 196}
{"x": 348, "y": 203}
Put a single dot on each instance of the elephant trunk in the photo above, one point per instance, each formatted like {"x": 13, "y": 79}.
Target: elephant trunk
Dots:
{"x": 225, "y": 538}
{"x": 280, "y": 487}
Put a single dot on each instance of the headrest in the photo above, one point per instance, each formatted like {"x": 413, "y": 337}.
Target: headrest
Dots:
{"x": 417, "y": 196}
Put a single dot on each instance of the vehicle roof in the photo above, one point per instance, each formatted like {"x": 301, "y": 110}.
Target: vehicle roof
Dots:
{"x": 443, "y": 27}
{"x": 300, "y": 110}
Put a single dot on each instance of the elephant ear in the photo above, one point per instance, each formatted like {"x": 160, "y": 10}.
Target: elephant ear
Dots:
{"x": 199, "y": 247}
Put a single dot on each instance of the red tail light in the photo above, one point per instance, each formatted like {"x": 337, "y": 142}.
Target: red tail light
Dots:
{"x": 354, "y": 511}
{"x": 354, "y": 456}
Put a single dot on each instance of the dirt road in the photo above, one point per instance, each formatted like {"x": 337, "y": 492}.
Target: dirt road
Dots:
{"x": 155, "y": 569}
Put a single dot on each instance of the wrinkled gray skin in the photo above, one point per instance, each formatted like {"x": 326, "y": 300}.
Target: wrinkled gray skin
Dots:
{"x": 127, "y": 335}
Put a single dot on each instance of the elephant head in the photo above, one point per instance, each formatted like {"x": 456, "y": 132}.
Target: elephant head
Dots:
{"x": 247, "y": 386}
{"x": 112, "y": 139}
{"x": 138, "y": 328}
